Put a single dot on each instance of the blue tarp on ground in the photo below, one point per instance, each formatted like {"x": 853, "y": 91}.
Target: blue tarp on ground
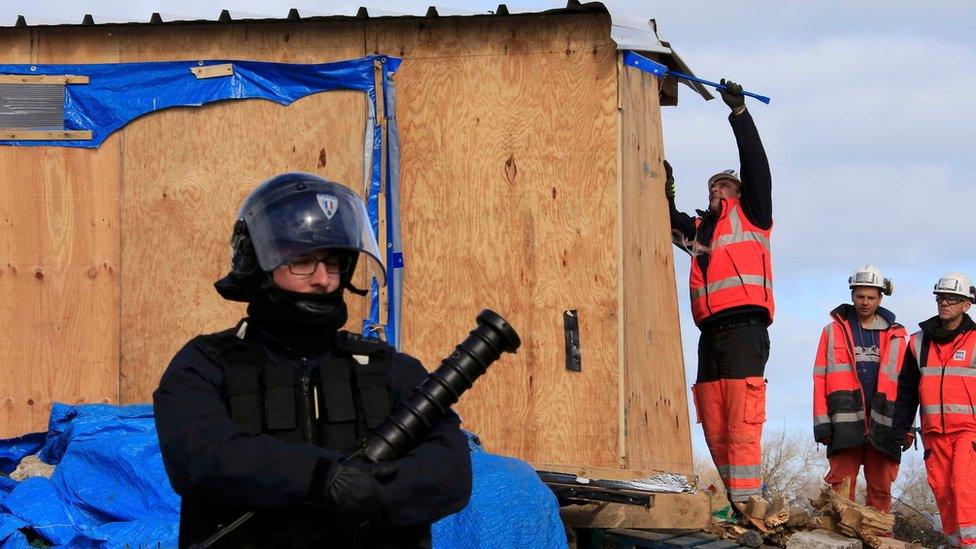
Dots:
{"x": 110, "y": 490}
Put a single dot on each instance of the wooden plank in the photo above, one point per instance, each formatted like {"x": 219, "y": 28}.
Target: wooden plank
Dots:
{"x": 187, "y": 171}
{"x": 213, "y": 71}
{"x": 669, "y": 511}
{"x": 508, "y": 200}
{"x": 46, "y": 135}
{"x": 59, "y": 236}
{"x": 42, "y": 79}
{"x": 658, "y": 429}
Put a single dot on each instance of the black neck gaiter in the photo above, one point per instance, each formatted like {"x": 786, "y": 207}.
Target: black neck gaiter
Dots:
{"x": 306, "y": 323}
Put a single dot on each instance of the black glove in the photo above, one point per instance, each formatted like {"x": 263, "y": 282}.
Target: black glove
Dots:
{"x": 732, "y": 94}
{"x": 356, "y": 491}
{"x": 668, "y": 181}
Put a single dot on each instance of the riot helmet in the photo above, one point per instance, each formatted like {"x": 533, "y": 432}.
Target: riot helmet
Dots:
{"x": 293, "y": 214}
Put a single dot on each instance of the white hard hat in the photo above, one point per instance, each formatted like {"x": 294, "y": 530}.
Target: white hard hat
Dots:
{"x": 955, "y": 283}
{"x": 725, "y": 174}
{"x": 870, "y": 276}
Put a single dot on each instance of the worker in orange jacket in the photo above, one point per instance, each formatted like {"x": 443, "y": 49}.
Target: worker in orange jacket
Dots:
{"x": 731, "y": 285}
{"x": 855, "y": 377}
{"x": 940, "y": 373}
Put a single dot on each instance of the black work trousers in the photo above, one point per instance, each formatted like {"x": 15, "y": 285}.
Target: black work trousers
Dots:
{"x": 733, "y": 350}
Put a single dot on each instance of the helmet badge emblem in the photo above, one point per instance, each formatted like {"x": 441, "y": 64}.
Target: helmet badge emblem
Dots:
{"x": 329, "y": 204}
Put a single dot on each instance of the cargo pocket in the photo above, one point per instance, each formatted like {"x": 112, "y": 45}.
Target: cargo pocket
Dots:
{"x": 755, "y": 412}
{"x": 694, "y": 397}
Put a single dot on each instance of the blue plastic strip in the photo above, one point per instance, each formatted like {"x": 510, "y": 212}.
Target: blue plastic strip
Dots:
{"x": 632, "y": 59}
{"x": 119, "y": 93}
{"x": 394, "y": 240}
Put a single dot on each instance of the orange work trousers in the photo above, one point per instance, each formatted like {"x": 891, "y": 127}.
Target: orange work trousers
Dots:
{"x": 732, "y": 412}
{"x": 950, "y": 461}
{"x": 879, "y": 472}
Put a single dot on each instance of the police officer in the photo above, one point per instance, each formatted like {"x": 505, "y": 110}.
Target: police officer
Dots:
{"x": 731, "y": 286}
{"x": 261, "y": 416}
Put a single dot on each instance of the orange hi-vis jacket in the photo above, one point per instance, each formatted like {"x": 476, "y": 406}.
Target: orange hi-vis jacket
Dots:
{"x": 947, "y": 391}
{"x": 838, "y": 400}
{"x": 739, "y": 269}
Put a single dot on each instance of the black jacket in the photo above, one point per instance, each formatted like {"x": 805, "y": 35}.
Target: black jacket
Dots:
{"x": 221, "y": 470}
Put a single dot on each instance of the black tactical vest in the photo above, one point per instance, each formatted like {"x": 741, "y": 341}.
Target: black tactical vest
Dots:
{"x": 331, "y": 404}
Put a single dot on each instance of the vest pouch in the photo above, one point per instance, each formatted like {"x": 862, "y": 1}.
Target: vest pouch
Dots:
{"x": 337, "y": 424}
{"x": 243, "y": 390}
{"x": 373, "y": 391}
{"x": 279, "y": 398}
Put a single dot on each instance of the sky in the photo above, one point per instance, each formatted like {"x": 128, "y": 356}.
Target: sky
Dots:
{"x": 870, "y": 140}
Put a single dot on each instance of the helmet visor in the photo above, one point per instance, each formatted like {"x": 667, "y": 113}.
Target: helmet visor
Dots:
{"x": 296, "y": 219}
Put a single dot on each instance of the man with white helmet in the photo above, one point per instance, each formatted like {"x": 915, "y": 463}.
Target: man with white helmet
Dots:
{"x": 939, "y": 373}
{"x": 855, "y": 376}
{"x": 731, "y": 287}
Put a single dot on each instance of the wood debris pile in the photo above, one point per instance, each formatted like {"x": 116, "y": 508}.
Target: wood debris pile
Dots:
{"x": 776, "y": 520}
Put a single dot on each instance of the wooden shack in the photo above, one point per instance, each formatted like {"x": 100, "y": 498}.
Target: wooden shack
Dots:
{"x": 530, "y": 184}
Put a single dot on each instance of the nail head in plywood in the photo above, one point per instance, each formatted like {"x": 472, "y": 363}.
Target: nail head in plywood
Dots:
{"x": 213, "y": 71}
{"x": 46, "y": 135}
{"x": 42, "y": 79}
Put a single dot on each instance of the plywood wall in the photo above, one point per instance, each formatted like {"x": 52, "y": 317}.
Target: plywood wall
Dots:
{"x": 509, "y": 201}
{"x": 655, "y": 402}
{"x": 528, "y": 186}
{"x": 59, "y": 259}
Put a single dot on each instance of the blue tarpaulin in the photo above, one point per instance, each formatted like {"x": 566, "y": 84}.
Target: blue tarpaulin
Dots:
{"x": 110, "y": 490}
{"x": 118, "y": 93}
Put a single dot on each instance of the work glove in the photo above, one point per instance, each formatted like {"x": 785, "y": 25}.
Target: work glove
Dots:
{"x": 732, "y": 95}
{"x": 825, "y": 441}
{"x": 356, "y": 491}
{"x": 669, "y": 190}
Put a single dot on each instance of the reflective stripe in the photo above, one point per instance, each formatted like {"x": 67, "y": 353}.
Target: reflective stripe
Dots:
{"x": 935, "y": 409}
{"x": 738, "y": 471}
{"x": 742, "y": 494}
{"x": 819, "y": 370}
{"x": 831, "y": 360}
{"x": 821, "y": 420}
{"x": 731, "y": 282}
{"x": 965, "y": 371}
{"x": 834, "y": 368}
{"x": 738, "y": 235}
{"x": 878, "y": 417}
{"x": 967, "y": 532}
{"x": 916, "y": 343}
{"x": 847, "y": 417}
{"x": 890, "y": 366}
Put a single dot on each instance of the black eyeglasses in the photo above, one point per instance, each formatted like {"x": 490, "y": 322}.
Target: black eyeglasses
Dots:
{"x": 951, "y": 300}
{"x": 305, "y": 265}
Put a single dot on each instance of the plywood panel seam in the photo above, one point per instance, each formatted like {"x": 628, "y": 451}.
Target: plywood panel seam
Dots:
{"x": 618, "y": 237}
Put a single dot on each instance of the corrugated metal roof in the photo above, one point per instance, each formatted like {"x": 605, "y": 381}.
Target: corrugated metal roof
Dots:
{"x": 627, "y": 32}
